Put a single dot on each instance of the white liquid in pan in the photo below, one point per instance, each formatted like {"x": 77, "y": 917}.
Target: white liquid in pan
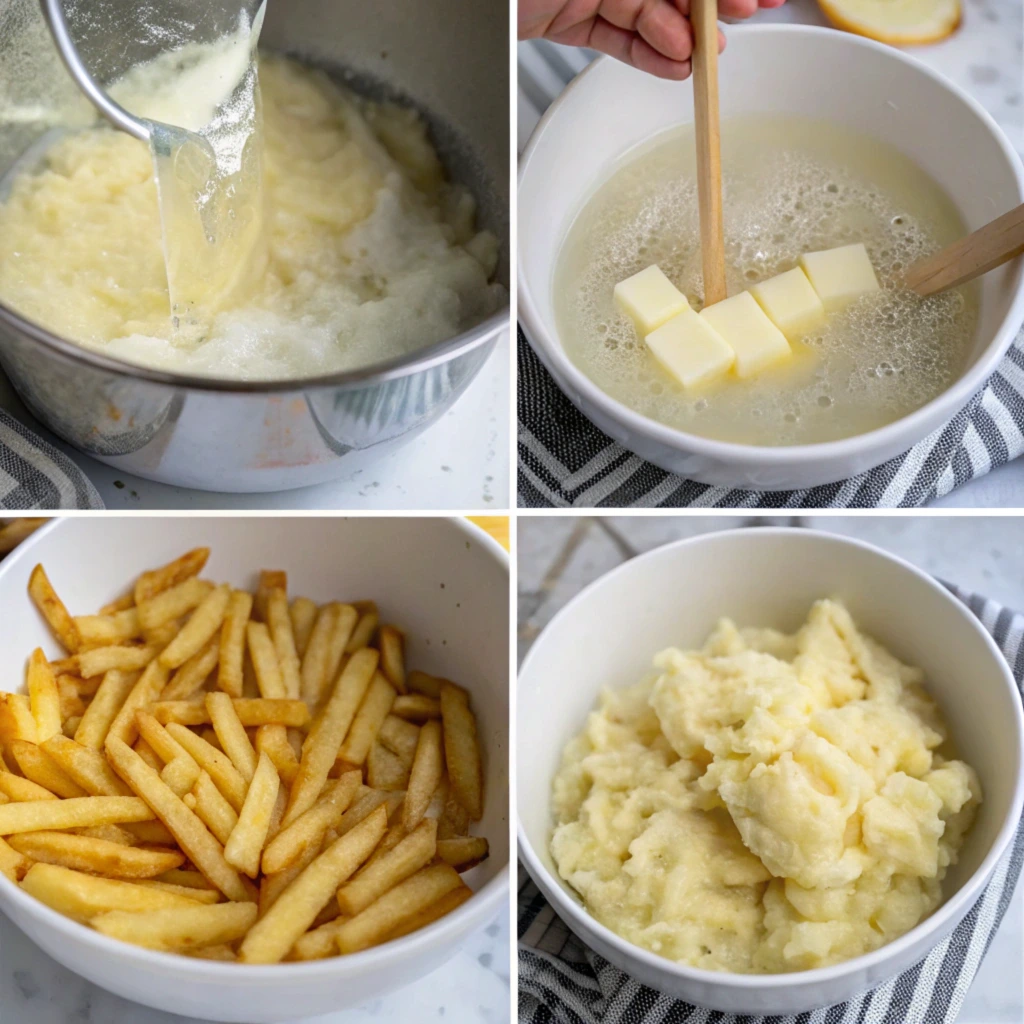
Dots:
{"x": 791, "y": 185}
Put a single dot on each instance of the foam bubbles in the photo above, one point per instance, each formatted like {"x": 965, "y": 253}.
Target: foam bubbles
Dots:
{"x": 791, "y": 186}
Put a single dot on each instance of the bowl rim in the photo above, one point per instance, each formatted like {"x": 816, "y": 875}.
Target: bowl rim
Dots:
{"x": 481, "y": 907}
{"x": 406, "y": 365}
{"x": 945, "y": 404}
{"x": 954, "y": 908}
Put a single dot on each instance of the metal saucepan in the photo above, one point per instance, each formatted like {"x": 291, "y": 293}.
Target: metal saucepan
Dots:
{"x": 449, "y": 57}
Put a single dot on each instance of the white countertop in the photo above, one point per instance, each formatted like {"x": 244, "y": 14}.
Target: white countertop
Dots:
{"x": 559, "y": 556}
{"x": 461, "y": 462}
{"x": 472, "y": 988}
{"x": 984, "y": 57}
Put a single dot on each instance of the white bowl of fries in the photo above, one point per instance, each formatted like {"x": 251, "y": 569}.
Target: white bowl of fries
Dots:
{"x": 245, "y": 794}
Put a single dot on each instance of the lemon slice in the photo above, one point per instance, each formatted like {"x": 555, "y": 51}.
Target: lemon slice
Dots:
{"x": 897, "y": 22}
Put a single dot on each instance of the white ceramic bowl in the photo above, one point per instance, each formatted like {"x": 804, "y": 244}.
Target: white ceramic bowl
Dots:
{"x": 815, "y": 72}
{"x": 442, "y": 579}
{"x": 673, "y": 595}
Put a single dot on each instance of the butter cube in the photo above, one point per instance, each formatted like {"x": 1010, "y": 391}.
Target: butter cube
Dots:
{"x": 790, "y": 302}
{"x": 745, "y": 328}
{"x": 840, "y": 275}
{"x": 649, "y": 298}
{"x": 690, "y": 349}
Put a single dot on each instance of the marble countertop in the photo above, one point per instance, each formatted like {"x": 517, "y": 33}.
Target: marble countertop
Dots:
{"x": 472, "y": 988}
{"x": 461, "y": 462}
{"x": 984, "y": 57}
{"x": 558, "y": 556}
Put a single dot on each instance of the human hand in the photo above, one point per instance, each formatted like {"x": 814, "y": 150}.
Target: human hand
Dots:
{"x": 652, "y": 35}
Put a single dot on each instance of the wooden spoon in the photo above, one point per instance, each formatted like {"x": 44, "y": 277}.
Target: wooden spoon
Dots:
{"x": 704, "y": 18}
{"x": 983, "y": 250}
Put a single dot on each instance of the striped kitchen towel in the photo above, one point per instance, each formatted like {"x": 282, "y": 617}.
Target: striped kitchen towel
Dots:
{"x": 36, "y": 475}
{"x": 562, "y": 980}
{"x": 565, "y": 461}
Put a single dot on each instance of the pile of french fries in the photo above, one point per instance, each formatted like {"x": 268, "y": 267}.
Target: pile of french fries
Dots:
{"x": 234, "y": 776}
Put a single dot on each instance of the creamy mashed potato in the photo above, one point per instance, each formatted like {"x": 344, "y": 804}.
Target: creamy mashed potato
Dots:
{"x": 371, "y": 254}
{"x": 768, "y": 803}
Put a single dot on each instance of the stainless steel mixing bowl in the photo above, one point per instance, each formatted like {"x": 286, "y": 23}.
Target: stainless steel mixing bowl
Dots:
{"x": 450, "y": 57}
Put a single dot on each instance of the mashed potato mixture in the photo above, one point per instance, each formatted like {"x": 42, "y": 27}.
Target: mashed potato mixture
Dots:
{"x": 768, "y": 803}
{"x": 370, "y": 253}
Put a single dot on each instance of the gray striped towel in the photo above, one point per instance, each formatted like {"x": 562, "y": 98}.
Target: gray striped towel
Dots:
{"x": 565, "y": 461}
{"x": 562, "y": 980}
{"x": 34, "y": 475}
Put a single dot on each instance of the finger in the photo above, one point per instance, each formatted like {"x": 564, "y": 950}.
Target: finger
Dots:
{"x": 737, "y": 8}
{"x": 631, "y": 49}
{"x": 666, "y": 29}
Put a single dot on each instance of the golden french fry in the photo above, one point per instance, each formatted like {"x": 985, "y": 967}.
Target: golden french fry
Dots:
{"x": 329, "y": 731}
{"x": 245, "y": 845}
{"x": 400, "y": 737}
{"x": 97, "y": 661}
{"x": 389, "y": 911}
{"x": 463, "y": 852}
{"x": 180, "y": 775}
{"x": 14, "y": 532}
{"x": 362, "y": 635}
{"x": 273, "y": 741}
{"x": 16, "y": 721}
{"x": 43, "y": 696}
{"x": 85, "y": 766}
{"x": 270, "y": 579}
{"x": 71, "y": 705}
{"x": 119, "y": 604}
{"x": 280, "y": 625}
{"x": 426, "y": 685}
{"x": 386, "y": 771}
{"x": 184, "y": 877}
{"x": 427, "y": 769}
{"x": 384, "y": 872}
{"x": 318, "y": 943}
{"x": 414, "y": 707}
{"x": 71, "y": 725}
{"x": 172, "y": 603}
{"x": 303, "y": 615}
{"x": 462, "y": 751}
{"x": 194, "y": 673}
{"x": 160, "y": 636}
{"x": 177, "y": 929}
{"x": 52, "y": 607}
{"x": 309, "y": 828}
{"x": 270, "y": 939}
{"x": 205, "y": 622}
{"x": 150, "y": 685}
{"x": 14, "y": 787}
{"x": 166, "y": 748}
{"x": 75, "y": 812}
{"x": 251, "y": 711}
{"x": 155, "y": 581}
{"x": 96, "y": 856}
{"x": 213, "y": 809}
{"x": 434, "y": 912}
{"x": 222, "y": 951}
{"x": 341, "y": 634}
{"x": 150, "y": 833}
{"x": 371, "y": 714}
{"x": 111, "y": 833}
{"x": 214, "y": 762}
{"x": 83, "y": 896}
{"x": 454, "y": 820}
{"x": 391, "y": 641}
{"x": 37, "y": 766}
{"x": 101, "y": 630}
{"x": 231, "y": 733}
{"x": 264, "y": 660}
{"x": 101, "y": 712}
{"x": 13, "y": 864}
{"x": 232, "y": 643}
{"x": 191, "y": 834}
{"x": 313, "y": 672}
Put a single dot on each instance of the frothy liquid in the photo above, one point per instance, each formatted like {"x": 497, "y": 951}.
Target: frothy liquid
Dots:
{"x": 791, "y": 185}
